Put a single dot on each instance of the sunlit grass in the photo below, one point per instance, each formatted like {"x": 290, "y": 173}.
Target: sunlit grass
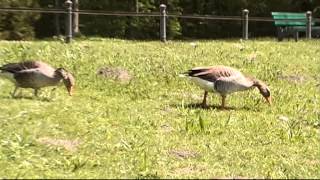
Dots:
{"x": 150, "y": 127}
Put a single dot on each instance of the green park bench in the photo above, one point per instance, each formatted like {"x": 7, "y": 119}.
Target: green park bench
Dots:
{"x": 291, "y": 24}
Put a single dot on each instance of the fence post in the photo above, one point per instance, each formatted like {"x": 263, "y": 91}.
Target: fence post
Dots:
{"x": 163, "y": 16}
{"x": 245, "y": 24}
{"x": 57, "y": 20}
{"x": 68, "y": 20}
{"x": 309, "y": 24}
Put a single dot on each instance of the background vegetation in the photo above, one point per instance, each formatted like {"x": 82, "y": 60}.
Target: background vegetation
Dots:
{"x": 30, "y": 25}
{"x": 152, "y": 127}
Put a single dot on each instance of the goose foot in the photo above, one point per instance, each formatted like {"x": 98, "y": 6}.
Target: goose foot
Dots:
{"x": 14, "y": 93}
{"x": 223, "y": 103}
{"x": 36, "y": 92}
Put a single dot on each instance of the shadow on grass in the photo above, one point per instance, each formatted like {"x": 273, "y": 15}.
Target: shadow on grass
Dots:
{"x": 209, "y": 107}
{"x": 44, "y": 99}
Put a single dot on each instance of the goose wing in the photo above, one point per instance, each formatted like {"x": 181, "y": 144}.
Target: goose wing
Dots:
{"x": 214, "y": 73}
{"x": 27, "y": 67}
{"x": 21, "y": 66}
{"x": 225, "y": 79}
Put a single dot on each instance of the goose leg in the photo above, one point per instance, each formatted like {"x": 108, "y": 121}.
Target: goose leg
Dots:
{"x": 204, "y": 102}
{"x": 223, "y": 103}
{"x": 14, "y": 92}
{"x": 36, "y": 92}
{"x": 52, "y": 92}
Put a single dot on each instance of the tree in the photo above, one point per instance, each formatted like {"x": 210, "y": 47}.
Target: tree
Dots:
{"x": 18, "y": 25}
{"x": 21, "y": 25}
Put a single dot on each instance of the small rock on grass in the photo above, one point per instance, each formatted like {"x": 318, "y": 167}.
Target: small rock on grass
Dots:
{"x": 115, "y": 73}
{"x": 184, "y": 154}
{"x": 69, "y": 145}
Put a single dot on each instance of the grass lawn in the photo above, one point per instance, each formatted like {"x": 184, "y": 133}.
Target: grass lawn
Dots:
{"x": 151, "y": 127}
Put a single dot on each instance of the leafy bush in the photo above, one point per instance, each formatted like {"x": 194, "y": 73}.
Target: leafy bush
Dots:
{"x": 17, "y": 25}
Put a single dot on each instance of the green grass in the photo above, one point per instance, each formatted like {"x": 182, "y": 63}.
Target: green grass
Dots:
{"x": 149, "y": 128}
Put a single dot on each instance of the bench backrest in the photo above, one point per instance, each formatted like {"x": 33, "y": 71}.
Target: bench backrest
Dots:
{"x": 301, "y": 19}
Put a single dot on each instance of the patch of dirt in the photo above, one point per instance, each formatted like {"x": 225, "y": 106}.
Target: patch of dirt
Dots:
{"x": 166, "y": 110}
{"x": 166, "y": 128}
{"x": 194, "y": 44}
{"x": 115, "y": 73}
{"x": 184, "y": 170}
{"x": 283, "y": 118}
{"x": 252, "y": 57}
{"x": 188, "y": 170}
{"x": 183, "y": 154}
{"x": 198, "y": 95}
{"x": 313, "y": 162}
{"x": 237, "y": 177}
{"x": 294, "y": 78}
{"x": 239, "y": 46}
{"x": 69, "y": 145}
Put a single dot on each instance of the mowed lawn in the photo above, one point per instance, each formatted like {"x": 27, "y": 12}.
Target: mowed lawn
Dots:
{"x": 151, "y": 127}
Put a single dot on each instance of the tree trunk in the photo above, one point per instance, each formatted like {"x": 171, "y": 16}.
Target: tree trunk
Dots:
{"x": 76, "y": 17}
{"x": 56, "y": 19}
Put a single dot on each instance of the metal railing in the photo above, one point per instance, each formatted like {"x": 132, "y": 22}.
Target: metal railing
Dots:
{"x": 163, "y": 15}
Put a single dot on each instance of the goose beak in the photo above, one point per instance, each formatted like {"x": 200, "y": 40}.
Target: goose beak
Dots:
{"x": 69, "y": 82}
{"x": 70, "y": 90}
{"x": 69, "y": 85}
{"x": 269, "y": 100}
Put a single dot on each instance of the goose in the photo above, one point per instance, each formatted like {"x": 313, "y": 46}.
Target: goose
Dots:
{"x": 35, "y": 75}
{"x": 224, "y": 80}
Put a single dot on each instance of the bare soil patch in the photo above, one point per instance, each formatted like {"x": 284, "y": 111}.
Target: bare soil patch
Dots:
{"x": 189, "y": 170}
{"x": 69, "y": 145}
{"x": 294, "y": 78}
{"x": 183, "y": 154}
{"x": 116, "y": 73}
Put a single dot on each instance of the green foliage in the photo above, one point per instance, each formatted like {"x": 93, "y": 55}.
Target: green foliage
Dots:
{"x": 129, "y": 27}
{"x": 151, "y": 127}
{"x": 17, "y": 26}
{"x": 27, "y": 25}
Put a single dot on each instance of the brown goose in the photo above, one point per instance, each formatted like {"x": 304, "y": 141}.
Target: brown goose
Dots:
{"x": 35, "y": 75}
{"x": 225, "y": 80}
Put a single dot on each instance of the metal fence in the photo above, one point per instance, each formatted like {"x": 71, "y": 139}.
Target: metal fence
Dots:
{"x": 163, "y": 15}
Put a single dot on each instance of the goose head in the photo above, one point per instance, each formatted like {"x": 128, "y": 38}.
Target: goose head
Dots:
{"x": 67, "y": 78}
{"x": 264, "y": 90}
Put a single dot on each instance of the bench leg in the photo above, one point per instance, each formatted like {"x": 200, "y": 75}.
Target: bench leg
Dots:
{"x": 280, "y": 33}
{"x": 316, "y": 33}
{"x": 296, "y": 36}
